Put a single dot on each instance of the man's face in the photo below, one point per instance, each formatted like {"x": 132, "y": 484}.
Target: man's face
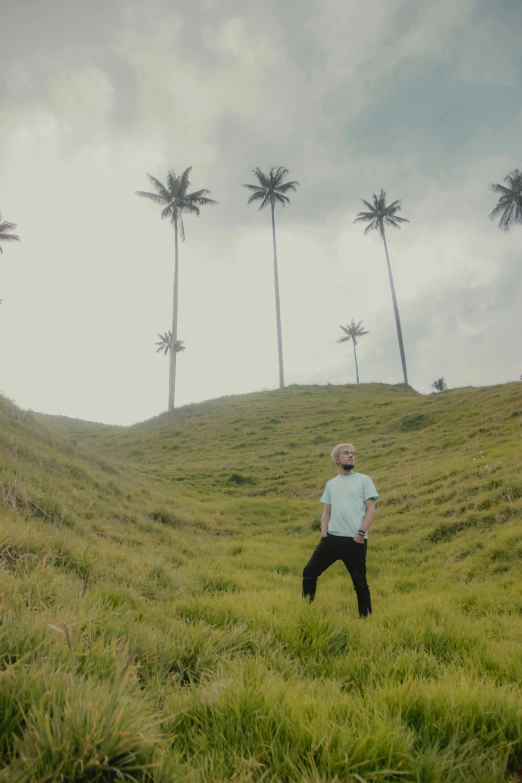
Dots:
{"x": 346, "y": 459}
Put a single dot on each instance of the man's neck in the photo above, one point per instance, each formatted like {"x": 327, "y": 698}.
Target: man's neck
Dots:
{"x": 343, "y": 472}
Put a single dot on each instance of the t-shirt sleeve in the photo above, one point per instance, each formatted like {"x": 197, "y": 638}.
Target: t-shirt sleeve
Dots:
{"x": 369, "y": 489}
{"x": 325, "y": 497}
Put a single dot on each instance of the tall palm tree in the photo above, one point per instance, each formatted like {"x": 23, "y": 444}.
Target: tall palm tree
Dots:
{"x": 5, "y": 227}
{"x": 352, "y": 332}
{"x": 509, "y": 205}
{"x": 271, "y": 189}
{"x": 175, "y": 200}
{"x": 378, "y": 216}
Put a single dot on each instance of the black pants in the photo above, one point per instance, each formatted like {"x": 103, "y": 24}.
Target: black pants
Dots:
{"x": 353, "y": 555}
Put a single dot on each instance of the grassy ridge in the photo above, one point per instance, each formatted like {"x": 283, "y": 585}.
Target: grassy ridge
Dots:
{"x": 152, "y": 622}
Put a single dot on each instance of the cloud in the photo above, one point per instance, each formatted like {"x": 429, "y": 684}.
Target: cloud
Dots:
{"x": 420, "y": 100}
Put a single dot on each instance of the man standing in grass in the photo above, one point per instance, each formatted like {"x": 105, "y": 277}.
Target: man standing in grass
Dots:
{"x": 348, "y": 510}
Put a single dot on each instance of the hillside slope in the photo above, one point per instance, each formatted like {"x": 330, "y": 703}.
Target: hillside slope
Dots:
{"x": 153, "y": 627}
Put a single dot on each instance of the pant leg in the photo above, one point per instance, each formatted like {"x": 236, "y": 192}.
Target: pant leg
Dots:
{"x": 354, "y": 558}
{"x": 322, "y": 558}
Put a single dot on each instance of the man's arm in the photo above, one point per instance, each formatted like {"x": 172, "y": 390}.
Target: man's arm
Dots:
{"x": 325, "y": 518}
{"x": 368, "y": 519}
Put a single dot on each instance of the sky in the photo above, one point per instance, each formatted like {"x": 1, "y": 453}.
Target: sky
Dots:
{"x": 422, "y": 100}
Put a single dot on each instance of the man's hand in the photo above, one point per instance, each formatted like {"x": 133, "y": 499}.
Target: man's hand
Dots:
{"x": 325, "y": 518}
{"x": 359, "y": 538}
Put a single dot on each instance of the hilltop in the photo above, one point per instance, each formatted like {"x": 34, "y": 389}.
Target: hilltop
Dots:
{"x": 156, "y": 569}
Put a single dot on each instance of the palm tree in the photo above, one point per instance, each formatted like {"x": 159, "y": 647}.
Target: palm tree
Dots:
{"x": 351, "y": 332}
{"x": 509, "y": 205}
{"x": 378, "y": 216}
{"x": 166, "y": 345}
{"x": 272, "y": 190}
{"x": 175, "y": 200}
{"x": 5, "y": 227}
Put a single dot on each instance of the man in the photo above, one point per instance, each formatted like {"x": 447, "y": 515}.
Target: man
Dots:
{"x": 348, "y": 510}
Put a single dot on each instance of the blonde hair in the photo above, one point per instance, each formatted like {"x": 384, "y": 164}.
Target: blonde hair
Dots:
{"x": 336, "y": 452}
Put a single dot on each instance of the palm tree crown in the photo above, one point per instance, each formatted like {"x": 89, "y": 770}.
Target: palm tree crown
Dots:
{"x": 5, "y": 227}
{"x": 352, "y": 332}
{"x": 166, "y": 344}
{"x": 175, "y": 199}
{"x": 270, "y": 188}
{"x": 380, "y": 214}
{"x": 509, "y": 205}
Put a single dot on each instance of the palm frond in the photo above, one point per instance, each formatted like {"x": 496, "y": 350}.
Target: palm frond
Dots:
{"x": 262, "y": 178}
{"x": 190, "y": 208}
{"x": 379, "y": 201}
{"x": 259, "y": 195}
{"x": 265, "y": 202}
{"x": 197, "y": 194}
{"x": 508, "y": 217}
{"x": 284, "y": 200}
{"x": 364, "y": 217}
{"x": 5, "y": 227}
{"x": 514, "y": 178}
{"x": 509, "y": 205}
{"x": 201, "y": 199}
{"x": 496, "y": 212}
{"x": 151, "y": 196}
{"x": 500, "y": 189}
{"x": 394, "y": 221}
{"x": 160, "y": 187}
{"x": 184, "y": 182}
{"x": 371, "y": 218}
{"x": 277, "y": 175}
{"x": 164, "y": 342}
{"x": 173, "y": 184}
{"x": 168, "y": 211}
{"x": 288, "y": 186}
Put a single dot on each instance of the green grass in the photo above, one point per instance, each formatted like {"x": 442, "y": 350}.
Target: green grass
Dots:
{"x": 152, "y": 626}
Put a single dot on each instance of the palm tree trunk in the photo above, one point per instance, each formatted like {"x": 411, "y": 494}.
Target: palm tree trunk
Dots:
{"x": 173, "y": 354}
{"x": 356, "y": 366}
{"x": 278, "y": 307}
{"x": 396, "y": 311}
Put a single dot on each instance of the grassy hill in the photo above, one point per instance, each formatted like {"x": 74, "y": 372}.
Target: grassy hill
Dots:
{"x": 152, "y": 625}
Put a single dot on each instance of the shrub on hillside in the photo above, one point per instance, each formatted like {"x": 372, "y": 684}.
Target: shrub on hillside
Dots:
{"x": 439, "y": 385}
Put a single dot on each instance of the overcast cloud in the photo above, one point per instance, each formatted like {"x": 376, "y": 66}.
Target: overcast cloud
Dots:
{"x": 423, "y": 100}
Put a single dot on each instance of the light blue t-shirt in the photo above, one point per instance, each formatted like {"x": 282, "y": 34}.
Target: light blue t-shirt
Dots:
{"x": 347, "y": 496}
